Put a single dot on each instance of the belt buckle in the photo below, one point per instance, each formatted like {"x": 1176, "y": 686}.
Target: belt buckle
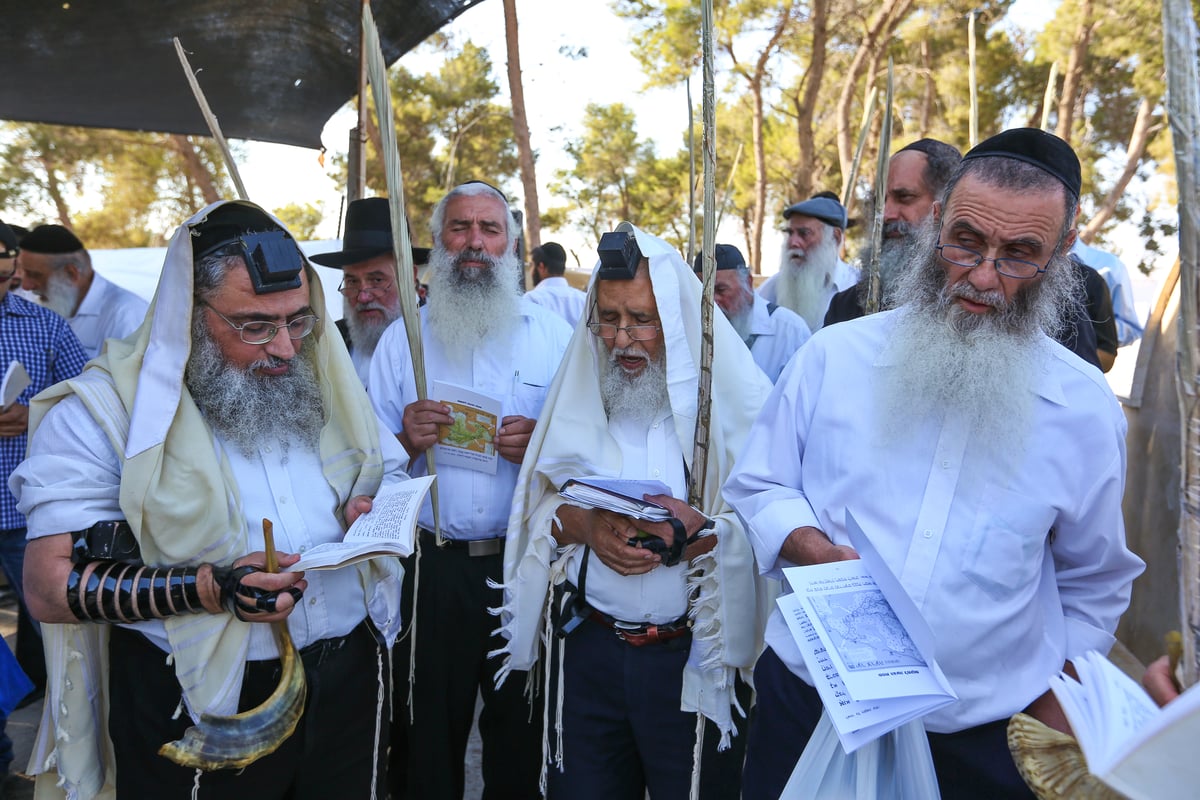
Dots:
{"x": 485, "y": 547}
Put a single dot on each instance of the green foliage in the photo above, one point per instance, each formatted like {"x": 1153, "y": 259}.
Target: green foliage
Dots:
{"x": 301, "y": 219}
{"x": 450, "y": 128}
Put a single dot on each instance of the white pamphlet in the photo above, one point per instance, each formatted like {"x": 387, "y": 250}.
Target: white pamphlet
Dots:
{"x": 470, "y": 440}
{"x": 619, "y": 495}
{"x": 386, "y": 530}
{"x": 16, "y": 380}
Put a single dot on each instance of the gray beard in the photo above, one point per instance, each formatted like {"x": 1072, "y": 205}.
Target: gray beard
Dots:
{"x": 469, "y": 306}
{"x": 364, "y": 334}
{"x": 61, "y": 295}
{"x": 806, "y": 288}
{"x": 246, "y": 409}
{"x": 975, "y": 367}
{"x": 635, "y": 397}
{"x": 894, "y": 257}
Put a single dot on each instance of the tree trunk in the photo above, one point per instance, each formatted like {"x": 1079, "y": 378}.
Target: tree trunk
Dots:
{"x": 806, "y": 100}
{"x": 930, "y": 92}
{"x": 756, "y": 81}
{"x": 194, "y": 168}
{"x": 874, "y": 41}
{"x": 1073, "y": 77}
{"x": 533, "y": 219}
{"x": 1138, "y": 139}
{"x": 55, "y": 191}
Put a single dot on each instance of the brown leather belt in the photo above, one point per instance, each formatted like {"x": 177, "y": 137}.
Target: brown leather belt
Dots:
{"x": 473, "y": 547}
{"x": 640, "y": 635}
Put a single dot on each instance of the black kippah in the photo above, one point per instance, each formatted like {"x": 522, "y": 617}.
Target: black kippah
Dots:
{"x": 1034, "y": 146}
{"x": 51, "y": 240}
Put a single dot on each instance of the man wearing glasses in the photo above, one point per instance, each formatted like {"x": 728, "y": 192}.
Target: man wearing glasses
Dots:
{"x": 985, "y": 463}
{"x": 370, "y": 300}
{"x": 654, "y": 620}
{"x": 148, "y": 481}
{"x": 479, "y": 334}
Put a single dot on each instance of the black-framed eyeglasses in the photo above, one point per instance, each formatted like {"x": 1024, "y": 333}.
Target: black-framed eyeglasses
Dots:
{"x": 11, "y": 259}
{"x": 263, "y": 332}
{"x": 638, "y": 333}
{"x": 1011, "y": 267}
{"x": 374, "y": 284}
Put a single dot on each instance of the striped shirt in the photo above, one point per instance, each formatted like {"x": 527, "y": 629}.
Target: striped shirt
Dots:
{"x": 44, "y": 344}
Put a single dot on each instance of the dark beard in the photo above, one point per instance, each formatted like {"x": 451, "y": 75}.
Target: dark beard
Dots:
{"x": 247, "y": 409}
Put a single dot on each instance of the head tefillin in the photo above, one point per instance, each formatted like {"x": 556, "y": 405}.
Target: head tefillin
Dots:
{"x": 272, "y": 257}
{"x": 619, "y": 256}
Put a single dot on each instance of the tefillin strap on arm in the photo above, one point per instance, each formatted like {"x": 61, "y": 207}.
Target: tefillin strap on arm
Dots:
{"x": 119, "y": 587}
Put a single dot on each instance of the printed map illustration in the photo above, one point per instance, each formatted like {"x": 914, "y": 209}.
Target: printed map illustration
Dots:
{"x": 865, "y": 630}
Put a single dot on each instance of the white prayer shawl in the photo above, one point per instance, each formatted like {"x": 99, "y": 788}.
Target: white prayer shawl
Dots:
{"x": 182, "y": 504}
{"x": 729, "y": 603}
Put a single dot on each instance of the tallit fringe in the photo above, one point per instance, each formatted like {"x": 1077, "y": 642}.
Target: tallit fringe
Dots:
{"x": 381, "y": 695}
{"x": 704, "y": 611}
{"x": 697, "y": 753}
{"x": 412, "y": 630}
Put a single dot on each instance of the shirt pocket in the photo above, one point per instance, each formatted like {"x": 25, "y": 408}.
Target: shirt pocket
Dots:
{"x": 526, "y": 400}
{"x": 1005, "y": 550}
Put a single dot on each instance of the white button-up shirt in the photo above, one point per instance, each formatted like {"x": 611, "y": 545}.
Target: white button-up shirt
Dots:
{"x": 72, "y": 479}
{"x": 776, "y": 336}
{"x": 106, "y": 312}
{"x": 517, "y": 369}
{"x": 555, "y": 294}
{"x": 649, "y": 451}
{"x": 1017, "y": 566}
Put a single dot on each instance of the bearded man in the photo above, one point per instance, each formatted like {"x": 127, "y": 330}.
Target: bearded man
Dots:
{"x": 773, "y": 333}
{"x": 810, "y": 269}
{"x": 648, "y": 640}
{"x": 56, "y": 267}
{"x": 479, "y": 332}
{"x": 984, "y": 461}
{"x": 146, "y": 487}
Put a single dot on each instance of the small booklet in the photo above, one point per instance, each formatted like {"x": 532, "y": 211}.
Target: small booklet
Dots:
{"x": 620, "y": 496}
{"x": 386, "y": 530}
{"x": 470, "y": 440}
{"x": 867, "y": 647}
{"x": 1130, "y": 743}
{"x": 16, "y": 380}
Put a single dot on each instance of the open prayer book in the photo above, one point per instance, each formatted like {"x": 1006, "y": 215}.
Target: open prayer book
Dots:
{"x": 386, "y": 530}
{"x": 16, "y": 380}
{"x": 867, "y": 648}
{"x": 620, "y": 496}
{"x": 1129, "y": 742}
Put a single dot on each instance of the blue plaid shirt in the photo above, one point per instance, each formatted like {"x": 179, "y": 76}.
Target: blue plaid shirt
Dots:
{"x": 44, "y": 344}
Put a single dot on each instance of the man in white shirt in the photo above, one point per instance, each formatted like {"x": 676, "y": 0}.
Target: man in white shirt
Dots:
{"x": 984, "y": 461}
{"x": 649, "y": 635}
{"x": 229, "y": 408}
{"x": 810, "y": 269}
{"x": 773, "y": 333}
{"x": 370, "y": 295}
{"x": 478, "y": 333}
{"x": 550, "y": 289}
{"x": 55, "y": 266}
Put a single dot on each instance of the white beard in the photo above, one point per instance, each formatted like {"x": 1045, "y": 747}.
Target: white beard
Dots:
{"x": 62, "y": 297}
{"x": 807, "y": 286}
{"x": 467, "y": 306}
{"x": 637, "y": 397}
{"x": 365, "y": 333}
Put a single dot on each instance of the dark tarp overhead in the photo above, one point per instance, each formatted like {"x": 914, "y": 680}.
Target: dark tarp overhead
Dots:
{"x": 272, "y": 70}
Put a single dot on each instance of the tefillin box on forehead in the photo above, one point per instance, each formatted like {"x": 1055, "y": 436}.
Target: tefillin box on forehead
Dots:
{"x": 619, "y": 256}
{"x": 272, "y": 257}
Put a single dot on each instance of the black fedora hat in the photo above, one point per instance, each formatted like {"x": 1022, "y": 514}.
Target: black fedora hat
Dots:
{"x": 368, "y": 234}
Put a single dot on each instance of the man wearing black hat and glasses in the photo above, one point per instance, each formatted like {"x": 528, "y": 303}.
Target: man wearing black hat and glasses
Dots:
{"x": 985, "y": 463}
{"x": 370, "y": 296}
{"x": 42, "y": 343}
{"x": 147, "y": 485}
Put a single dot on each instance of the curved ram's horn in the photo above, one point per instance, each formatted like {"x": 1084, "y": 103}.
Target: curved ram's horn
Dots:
{"x": 240, "y": 740}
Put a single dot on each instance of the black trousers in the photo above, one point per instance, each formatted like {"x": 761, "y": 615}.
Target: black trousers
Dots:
{"x": 972, "y": 764}
{"x": 454, "y": 633}
{"x": 336, "y": 750}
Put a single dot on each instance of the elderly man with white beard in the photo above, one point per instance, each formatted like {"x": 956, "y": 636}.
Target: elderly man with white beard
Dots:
{"x": 479, "y": 332}
{"x": 646, "y": 638}
{"x": 810, "y": 269}
{"x": 773, "y": 333}
{"x": 56, "y": 267}
{"x": 985, "y": 462}
{"x": 370, "y": 295}
{"x": 146, "y": 487}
